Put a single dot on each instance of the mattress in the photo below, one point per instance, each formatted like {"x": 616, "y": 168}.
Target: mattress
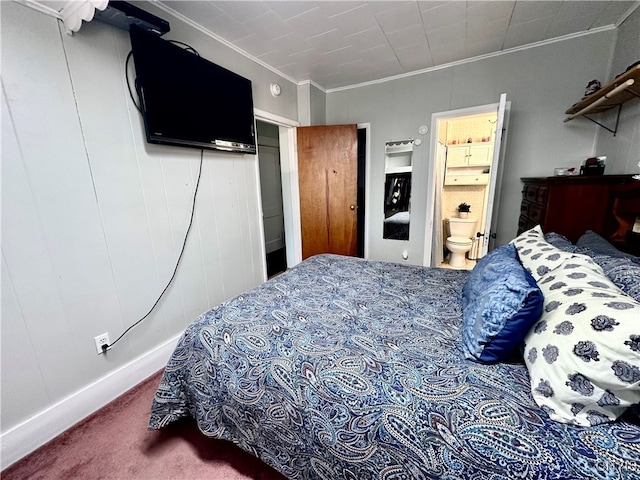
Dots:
{"x": 346, "y": 368}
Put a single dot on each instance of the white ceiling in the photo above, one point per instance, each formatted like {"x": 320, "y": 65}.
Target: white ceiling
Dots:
{"x": 341, "y": 43}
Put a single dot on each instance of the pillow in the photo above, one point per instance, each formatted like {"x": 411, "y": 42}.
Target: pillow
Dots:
{"x": 599, "y": 245}
{"x": 560, "y": 241}
{"x": 538, "y": 256}
{"x": 500, "y": 302}
{"x": 623, "y": 272}
{"x": 583, "y": 354}
{"x": 622, "y": 269}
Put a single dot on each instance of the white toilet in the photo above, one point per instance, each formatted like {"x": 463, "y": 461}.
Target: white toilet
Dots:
{"x": 459, "y": 242}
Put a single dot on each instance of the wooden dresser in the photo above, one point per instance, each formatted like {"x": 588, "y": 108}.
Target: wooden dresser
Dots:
{"x": 570, "y": 205}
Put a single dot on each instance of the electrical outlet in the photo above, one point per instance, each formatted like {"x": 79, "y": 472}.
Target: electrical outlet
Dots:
{"x": 100, "y": 341}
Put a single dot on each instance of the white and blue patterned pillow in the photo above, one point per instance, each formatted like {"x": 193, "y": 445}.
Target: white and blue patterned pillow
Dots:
{"x": 500, "y": 302}
{"x": 621, "y": 268}
{"x": 541, "y": 257}
{"x": 583, "y": 355}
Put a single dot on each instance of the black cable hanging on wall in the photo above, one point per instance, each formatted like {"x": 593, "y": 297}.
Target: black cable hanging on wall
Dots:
{"x": 106, "y": 347}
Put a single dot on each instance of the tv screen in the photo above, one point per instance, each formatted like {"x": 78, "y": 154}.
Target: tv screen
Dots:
{"x": 189, "y": 101}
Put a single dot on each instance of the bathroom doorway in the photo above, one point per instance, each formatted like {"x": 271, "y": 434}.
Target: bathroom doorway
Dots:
{"x": 465, "y": 167}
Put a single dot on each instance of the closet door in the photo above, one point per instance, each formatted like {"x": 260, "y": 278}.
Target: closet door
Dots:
{"x": 328, "y": 176}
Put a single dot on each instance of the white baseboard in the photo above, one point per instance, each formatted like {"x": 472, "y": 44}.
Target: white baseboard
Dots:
{"x": 26, "y": 437}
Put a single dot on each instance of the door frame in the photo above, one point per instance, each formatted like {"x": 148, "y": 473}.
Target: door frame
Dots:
{"x": 504, "y": 111}
{"x": 367, "y": 182}
{"x": 291, "y": 191}
{"x": 435, "y": 118}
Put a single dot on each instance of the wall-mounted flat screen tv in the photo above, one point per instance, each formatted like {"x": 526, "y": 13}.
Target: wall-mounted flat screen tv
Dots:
{"x": 189, "y": 101}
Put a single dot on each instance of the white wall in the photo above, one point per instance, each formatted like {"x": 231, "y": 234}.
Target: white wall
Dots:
{"x": 541, "y": 82}
{"x": 93, "y": 217}
{"x": 623, "y": 150}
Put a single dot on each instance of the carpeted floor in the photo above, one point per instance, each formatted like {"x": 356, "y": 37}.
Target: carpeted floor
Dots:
{"x": 114, "y": 443}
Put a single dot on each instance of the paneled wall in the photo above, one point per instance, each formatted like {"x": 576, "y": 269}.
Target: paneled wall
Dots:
{"x": 93, "y": 217}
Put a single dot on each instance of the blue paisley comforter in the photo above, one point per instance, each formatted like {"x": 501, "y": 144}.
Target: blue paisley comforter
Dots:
{"x": 349, "y": 369}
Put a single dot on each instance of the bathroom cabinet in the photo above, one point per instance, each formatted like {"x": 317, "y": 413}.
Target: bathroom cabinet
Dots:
{"x": 570, "y": 205}
{"x": 468, "y": 164}
{"x": 469, "y": 154}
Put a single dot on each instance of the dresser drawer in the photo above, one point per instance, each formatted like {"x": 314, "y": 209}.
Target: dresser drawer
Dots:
{"x": 535, "y": 214}
{"x": 530, "y": 193}
{"x": 535, "y": 194}
{"x": 541, "y": 195}
{"x": 524, "y": 224}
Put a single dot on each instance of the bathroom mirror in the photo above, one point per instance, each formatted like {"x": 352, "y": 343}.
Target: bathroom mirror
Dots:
{"x": 397, "y": 189}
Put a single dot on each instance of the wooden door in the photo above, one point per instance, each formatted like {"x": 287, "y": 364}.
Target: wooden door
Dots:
{"x": 328, "y": 176}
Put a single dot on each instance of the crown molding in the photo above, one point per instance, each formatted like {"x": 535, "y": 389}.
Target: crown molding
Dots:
{"x": 627, "y": 14}
{"x": 475, "y": 59}
{"x": 311, "y": 82}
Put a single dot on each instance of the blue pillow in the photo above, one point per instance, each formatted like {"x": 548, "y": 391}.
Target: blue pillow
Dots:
{"x": 600, "y": 245}
{"x": 500, "y": 301}
{"x": 622, "y": 271}
{"x": 560, "y": 241}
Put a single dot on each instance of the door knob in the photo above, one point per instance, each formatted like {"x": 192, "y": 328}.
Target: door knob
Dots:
{"x": 353, "y": 207}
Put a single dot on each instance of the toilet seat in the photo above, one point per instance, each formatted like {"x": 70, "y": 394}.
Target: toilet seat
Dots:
{"x": 462, "y": 241}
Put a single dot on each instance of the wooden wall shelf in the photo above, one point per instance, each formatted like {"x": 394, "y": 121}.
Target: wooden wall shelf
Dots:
{"x": 624, "y": 88}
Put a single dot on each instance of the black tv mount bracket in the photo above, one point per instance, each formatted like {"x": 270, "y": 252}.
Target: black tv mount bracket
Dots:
{"x": 123, "y": 15}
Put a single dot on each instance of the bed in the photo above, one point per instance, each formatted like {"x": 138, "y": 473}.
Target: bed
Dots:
{"x": 343, "y": 368}
{"x": 397, "y": 226}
